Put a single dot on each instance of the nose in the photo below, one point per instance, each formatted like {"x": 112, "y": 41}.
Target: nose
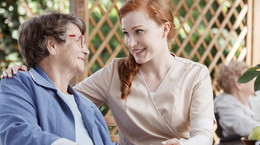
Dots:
{"x": 131, "y": 42}
{"x": 85, "y": 50}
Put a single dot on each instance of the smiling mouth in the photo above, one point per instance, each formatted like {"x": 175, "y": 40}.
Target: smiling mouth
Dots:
{"x": 139, "y": 51}
{"x": 81, "y": 59}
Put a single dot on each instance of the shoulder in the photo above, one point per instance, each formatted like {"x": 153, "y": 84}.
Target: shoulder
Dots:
{"x": 20, "y": 86}
{"x": 109, "y": 69}
{"x": 20, "y": 78}
{"x": 225, "y": 100}
{"x": 191, "y": 68}
{"x": 114, "y": 63}
{"x": 189, "y": 64}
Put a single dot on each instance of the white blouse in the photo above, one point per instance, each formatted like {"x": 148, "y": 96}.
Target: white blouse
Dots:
{"x": 235, "y": 118}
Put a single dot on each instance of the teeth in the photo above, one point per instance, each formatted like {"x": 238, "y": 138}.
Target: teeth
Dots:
{"x": 138, "y": 51}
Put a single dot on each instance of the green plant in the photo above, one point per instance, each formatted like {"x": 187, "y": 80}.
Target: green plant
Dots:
{"x": 250, "y": 74}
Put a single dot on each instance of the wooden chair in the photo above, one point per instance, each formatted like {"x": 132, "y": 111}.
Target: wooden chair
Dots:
{"x": 110, "y": 121}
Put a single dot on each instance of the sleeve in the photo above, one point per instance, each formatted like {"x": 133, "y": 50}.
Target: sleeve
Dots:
{"x": 255, "y": 101}
{"x": 202, "y": 105}
{"x": 96, "y": 86}
{"x": 201, "y": 133}
{"x": 257, "y": 93}
{"x": 201, "y": 111}
{"x": 18, "y": 114}
{"x": 234, "y": 118}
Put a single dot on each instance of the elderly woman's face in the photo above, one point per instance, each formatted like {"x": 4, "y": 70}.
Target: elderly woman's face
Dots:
{"x": 72, "y": 52}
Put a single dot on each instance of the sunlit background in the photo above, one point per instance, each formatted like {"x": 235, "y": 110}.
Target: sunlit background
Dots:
{"x": 12, "y": 14}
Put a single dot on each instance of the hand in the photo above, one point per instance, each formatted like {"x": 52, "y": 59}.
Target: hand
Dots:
{"x": 173, "y": 141}
{"x": 13, "y": 70}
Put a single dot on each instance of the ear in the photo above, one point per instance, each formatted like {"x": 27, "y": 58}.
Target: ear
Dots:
{"x": 50, "y": 43}
{"x": 166, "y": 29}
{"x": 237, "y": 85}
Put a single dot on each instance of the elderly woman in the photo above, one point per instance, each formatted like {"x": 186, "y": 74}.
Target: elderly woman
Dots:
{"x": 39, "y": 107}
{"x": 234, "y": 105}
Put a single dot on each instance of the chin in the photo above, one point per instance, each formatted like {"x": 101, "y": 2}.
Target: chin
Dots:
{"x": 140, "y": 60}
{"x": 80, "y": 69}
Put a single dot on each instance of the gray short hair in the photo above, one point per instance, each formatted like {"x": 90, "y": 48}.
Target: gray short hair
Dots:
{"x": 227, "y": 75}
{"x": 32, "y": 34}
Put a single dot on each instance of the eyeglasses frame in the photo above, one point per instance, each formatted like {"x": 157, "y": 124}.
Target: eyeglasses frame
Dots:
{"x": 82, "y": 39}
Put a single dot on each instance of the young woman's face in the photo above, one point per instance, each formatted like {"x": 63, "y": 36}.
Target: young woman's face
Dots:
{"x": 143, "y": 36}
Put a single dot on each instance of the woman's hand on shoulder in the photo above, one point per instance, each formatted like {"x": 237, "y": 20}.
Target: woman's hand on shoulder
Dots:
{"x": 13, "y": 70}
{"x": 173, "y": 141}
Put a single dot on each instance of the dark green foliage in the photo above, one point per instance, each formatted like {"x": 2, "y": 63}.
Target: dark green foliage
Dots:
{"x": 9, "y": 23}
{"x": 12, "y": 13}
{"x": 251, "y": 73}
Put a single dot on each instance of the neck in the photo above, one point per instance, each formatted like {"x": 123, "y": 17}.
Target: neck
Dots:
{"x": 159, "y": 66}
{"x": 60, "y": 76}
{"x": 243, "y": 98}
{"x": 155, "y": 71}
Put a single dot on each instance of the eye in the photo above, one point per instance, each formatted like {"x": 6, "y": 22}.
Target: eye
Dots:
{"x": 125, "y": 33}
{"x": 139, "y": 31}
{"x": 78, "y": 39}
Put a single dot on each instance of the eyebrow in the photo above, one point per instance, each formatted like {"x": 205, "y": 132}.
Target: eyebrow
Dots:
{"x": 134, "y": 27}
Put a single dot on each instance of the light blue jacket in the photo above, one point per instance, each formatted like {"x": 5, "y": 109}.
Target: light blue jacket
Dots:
{"x": 32, "y": 112}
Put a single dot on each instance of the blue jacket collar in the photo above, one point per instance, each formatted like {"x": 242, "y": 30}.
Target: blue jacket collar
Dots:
{"x": 40, "y": 77}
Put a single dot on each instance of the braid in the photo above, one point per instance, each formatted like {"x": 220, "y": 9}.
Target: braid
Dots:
{"x": 127, "y": 69}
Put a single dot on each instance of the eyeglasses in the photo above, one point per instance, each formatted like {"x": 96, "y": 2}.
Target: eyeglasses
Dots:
{"x": 80, "y": 39}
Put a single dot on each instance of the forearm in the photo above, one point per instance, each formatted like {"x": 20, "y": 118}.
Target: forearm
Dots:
{"x": 236, "y": 122}
{"x": 27, "y": 134}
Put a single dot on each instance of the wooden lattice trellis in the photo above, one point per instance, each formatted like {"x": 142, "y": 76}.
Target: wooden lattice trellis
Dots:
{"x": 226, "y": 31}
{"x": 207, "y": 31}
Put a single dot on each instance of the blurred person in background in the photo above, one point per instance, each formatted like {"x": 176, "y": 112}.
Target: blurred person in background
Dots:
{"x": 236, "y": 104}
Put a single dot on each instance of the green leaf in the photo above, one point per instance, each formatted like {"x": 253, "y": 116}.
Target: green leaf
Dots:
{"x": 249, "y": 74}
{"x": 257, "y": 83}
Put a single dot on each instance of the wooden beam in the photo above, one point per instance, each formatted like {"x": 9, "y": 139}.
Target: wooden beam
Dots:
{"x": 256, "y": 33}
{"x": 80, "y": 8}
{"x": 249, "y": 37}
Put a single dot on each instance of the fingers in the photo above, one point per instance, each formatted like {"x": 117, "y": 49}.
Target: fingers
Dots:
{"x": 13, "y": 70}
{"x": 9, "y": 72}
{"x": 173, "y": 141}
{"x": 24, "y": 68}
{"x": 4, "y": 75}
